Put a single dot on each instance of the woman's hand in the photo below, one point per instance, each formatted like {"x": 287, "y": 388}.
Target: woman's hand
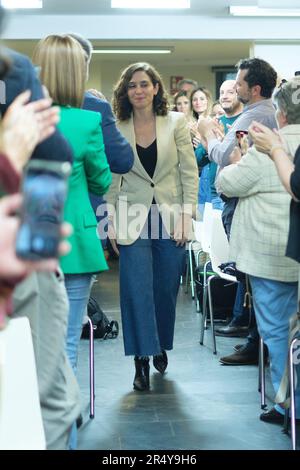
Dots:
{"x": 111, "y": 233}
{"x": 183, "y": 229}
{"x": 264, "y": 138}
{"x": 196, "y": 140}
{"x": 24, "y": 126}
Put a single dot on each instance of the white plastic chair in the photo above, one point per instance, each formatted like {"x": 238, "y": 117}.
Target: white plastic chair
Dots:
{"x": 219, "y": 253}
{"x": 202, "y": 233}
{"x": 21, "y": 425}
{"x": 291, "y": 389}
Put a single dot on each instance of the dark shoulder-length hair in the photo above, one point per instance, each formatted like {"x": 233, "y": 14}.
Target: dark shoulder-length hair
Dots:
{"x": 120, "y": 102}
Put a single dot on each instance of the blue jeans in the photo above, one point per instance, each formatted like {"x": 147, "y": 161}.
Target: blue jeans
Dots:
{"x": 78, "y": 288}
{"x": 274, "y": 303}
{"x": 150, "y": 272}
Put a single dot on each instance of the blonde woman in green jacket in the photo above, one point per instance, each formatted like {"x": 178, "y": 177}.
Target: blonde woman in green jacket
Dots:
{"x": 63, "y": 72}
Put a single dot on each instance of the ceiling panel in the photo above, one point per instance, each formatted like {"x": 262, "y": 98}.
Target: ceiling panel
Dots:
{"x": 102, "y": 7}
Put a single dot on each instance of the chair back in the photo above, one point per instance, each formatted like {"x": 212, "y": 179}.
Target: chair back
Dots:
{"x": 197, "y": 230}
{"x": 219, "y": 246}
{"x": 207, "y": 227}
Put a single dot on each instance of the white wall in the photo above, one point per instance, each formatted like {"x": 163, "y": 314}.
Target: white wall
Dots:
{"x": 113, "y": 27}
{"x": 103, "y": 75}
{"x": 285, "y": 58}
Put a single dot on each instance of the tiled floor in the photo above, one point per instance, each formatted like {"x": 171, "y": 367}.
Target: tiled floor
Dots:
{"x": 197, "y": 404}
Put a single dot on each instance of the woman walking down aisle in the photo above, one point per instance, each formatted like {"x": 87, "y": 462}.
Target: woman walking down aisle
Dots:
{"x": 150, "y": 210}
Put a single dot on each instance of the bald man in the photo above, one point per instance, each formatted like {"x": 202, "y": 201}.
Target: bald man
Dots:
{"x": 229, "y": 100}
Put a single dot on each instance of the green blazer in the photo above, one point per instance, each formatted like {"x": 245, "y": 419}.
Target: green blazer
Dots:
{"x": 90, "y": 173}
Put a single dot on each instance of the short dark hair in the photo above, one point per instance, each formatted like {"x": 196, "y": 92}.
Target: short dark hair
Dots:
{"x": 85, "y": 44}
{"x": 259, "y": 72}
{"x": 120, "y": 102}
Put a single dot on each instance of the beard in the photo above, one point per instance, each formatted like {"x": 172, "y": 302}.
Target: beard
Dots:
{"x": 231, "y": 108}
{"x": 243, "y": 100}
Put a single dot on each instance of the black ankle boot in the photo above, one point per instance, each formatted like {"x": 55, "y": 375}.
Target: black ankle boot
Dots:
{"x": 141, "y": 378}
{"x": 160, "y": 362}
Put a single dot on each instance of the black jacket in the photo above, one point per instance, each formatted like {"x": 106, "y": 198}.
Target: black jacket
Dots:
{"x": 293, "y": 246}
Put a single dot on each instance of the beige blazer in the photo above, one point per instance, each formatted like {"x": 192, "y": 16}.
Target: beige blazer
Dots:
{"x": 174, "y": 184}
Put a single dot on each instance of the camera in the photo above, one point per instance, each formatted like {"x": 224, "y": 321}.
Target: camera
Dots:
{"x": 45, "y": 189}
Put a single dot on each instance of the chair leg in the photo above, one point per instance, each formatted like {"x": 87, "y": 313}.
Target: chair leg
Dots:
{"x": 204, "y": 314}
{"x": 92, "y": 371}
{"x": 261, "y": 376}
{"x": 211, "y": 313}
{"x": 205, "y": 290}
{"x": 187, "y": 271}
{"x": 191, "y": 269}
{"x": 292, "y": 393}
{"x": 198, "y": 308}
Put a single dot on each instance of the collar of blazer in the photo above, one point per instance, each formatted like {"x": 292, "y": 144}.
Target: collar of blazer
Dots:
{"x": 162, "y": 139}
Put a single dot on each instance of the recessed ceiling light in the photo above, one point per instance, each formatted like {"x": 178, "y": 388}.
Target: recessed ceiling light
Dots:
{"x": 153, "y": 4}
{"x": 256, "y": 11}
{"x": 131, "y": 51}
{"x": 14, "y": 4}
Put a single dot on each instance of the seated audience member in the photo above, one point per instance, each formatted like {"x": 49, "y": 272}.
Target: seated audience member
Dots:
{"x": 259, "y": 237}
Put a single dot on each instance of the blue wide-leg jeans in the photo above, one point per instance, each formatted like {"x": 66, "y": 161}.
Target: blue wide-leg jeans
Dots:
{"x": 150, "y": 272}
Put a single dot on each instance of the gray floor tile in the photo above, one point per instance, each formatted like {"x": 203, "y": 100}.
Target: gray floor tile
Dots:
{"x": 197, "y": 404}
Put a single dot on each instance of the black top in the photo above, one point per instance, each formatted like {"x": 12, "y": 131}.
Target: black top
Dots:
{"x": 148, "y": 157}
{"x": 293, "y": 246}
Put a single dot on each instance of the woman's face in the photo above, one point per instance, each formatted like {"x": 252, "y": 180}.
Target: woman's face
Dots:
{"x": 199, "y": 102}
{"x": 183, "y": 104}
{"x": 141, "y": 91}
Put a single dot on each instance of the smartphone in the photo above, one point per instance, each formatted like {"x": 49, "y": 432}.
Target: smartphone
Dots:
{"x": 242, "y": 140}
{"x": 44, "y": 189}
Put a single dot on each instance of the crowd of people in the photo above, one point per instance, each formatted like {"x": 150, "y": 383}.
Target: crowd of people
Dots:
{"x": 150, "y": 171}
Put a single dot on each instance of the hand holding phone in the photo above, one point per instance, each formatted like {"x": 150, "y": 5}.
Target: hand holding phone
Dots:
{"x": 45, "y": 191}
{"x": 242, "y": 141}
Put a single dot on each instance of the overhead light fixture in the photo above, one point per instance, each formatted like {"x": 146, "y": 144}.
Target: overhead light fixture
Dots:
{"x": 257, "y": 11}
{"x": 116, "y": 50}
{"x": 16, "y": 4}
{"x": 151, "y": 4}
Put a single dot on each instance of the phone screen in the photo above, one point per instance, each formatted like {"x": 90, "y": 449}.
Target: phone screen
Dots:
{"x": 42, "y": 214}
{"x": 242, "y": 141}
